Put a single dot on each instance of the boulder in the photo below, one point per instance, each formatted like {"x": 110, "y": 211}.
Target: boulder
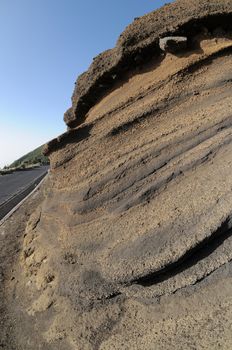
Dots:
{"x": 173, "y": 44}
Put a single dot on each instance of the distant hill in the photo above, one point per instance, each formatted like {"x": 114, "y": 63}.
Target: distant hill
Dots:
{"x": 33, "y": 157}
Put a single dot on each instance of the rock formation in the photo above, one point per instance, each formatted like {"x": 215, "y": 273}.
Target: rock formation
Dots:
{"x": 132, "y": 245}
{"x": 173, "y": 44}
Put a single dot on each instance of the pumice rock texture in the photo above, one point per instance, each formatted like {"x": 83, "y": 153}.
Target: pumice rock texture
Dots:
{"x": 173, "y": 44}
{"x": 138, "y": 43}
{"x": 131, "y": 247}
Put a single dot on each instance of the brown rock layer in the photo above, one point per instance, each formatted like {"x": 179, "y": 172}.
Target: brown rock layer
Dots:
{"x": 133, "y": 246}
{"x": 138, "y": 43}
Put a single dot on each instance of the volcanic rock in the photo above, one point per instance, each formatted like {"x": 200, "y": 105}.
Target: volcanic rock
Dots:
{"x": 181, "y": 18}
{"x": 133, "y": 246}
{"x": 173, "y": 44}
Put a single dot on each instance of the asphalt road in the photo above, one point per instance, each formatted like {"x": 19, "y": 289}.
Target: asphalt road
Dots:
{"x": 13, "y": 183}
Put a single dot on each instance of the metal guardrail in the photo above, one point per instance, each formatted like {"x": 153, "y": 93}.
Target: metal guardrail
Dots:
{"x": 11, "y": 202}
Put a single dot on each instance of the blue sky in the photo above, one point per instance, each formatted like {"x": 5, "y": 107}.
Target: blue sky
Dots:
{"x": 45, "y": 45}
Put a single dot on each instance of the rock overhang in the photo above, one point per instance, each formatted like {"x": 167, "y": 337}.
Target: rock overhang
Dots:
{"x": 136, "y": 46}
{"x": 138, "y": 43}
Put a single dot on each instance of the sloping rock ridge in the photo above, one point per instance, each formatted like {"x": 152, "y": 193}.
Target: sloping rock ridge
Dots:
{"x": 132, "y": 246}
{"x": 136, "y": 45}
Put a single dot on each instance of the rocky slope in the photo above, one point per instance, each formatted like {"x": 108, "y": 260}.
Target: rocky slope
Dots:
{"x": 132, "y": 245}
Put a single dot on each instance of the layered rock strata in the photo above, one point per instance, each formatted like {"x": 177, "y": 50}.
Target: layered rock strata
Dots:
{"x": 138, "y": 43}
{"x": 132, "y": 247}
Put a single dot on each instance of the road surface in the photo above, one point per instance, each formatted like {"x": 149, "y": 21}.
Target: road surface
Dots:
{"x": 15, "y": 187}
{"x": 13, "y": 183}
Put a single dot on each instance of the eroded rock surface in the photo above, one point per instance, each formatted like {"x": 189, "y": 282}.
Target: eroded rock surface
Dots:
{"x": 133, "y": 246}
{"x": 173, "y": 44}
{"x": 138, "y": 43}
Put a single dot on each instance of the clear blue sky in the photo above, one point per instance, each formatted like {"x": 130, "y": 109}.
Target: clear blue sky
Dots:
{"x": 45, "y": 45}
